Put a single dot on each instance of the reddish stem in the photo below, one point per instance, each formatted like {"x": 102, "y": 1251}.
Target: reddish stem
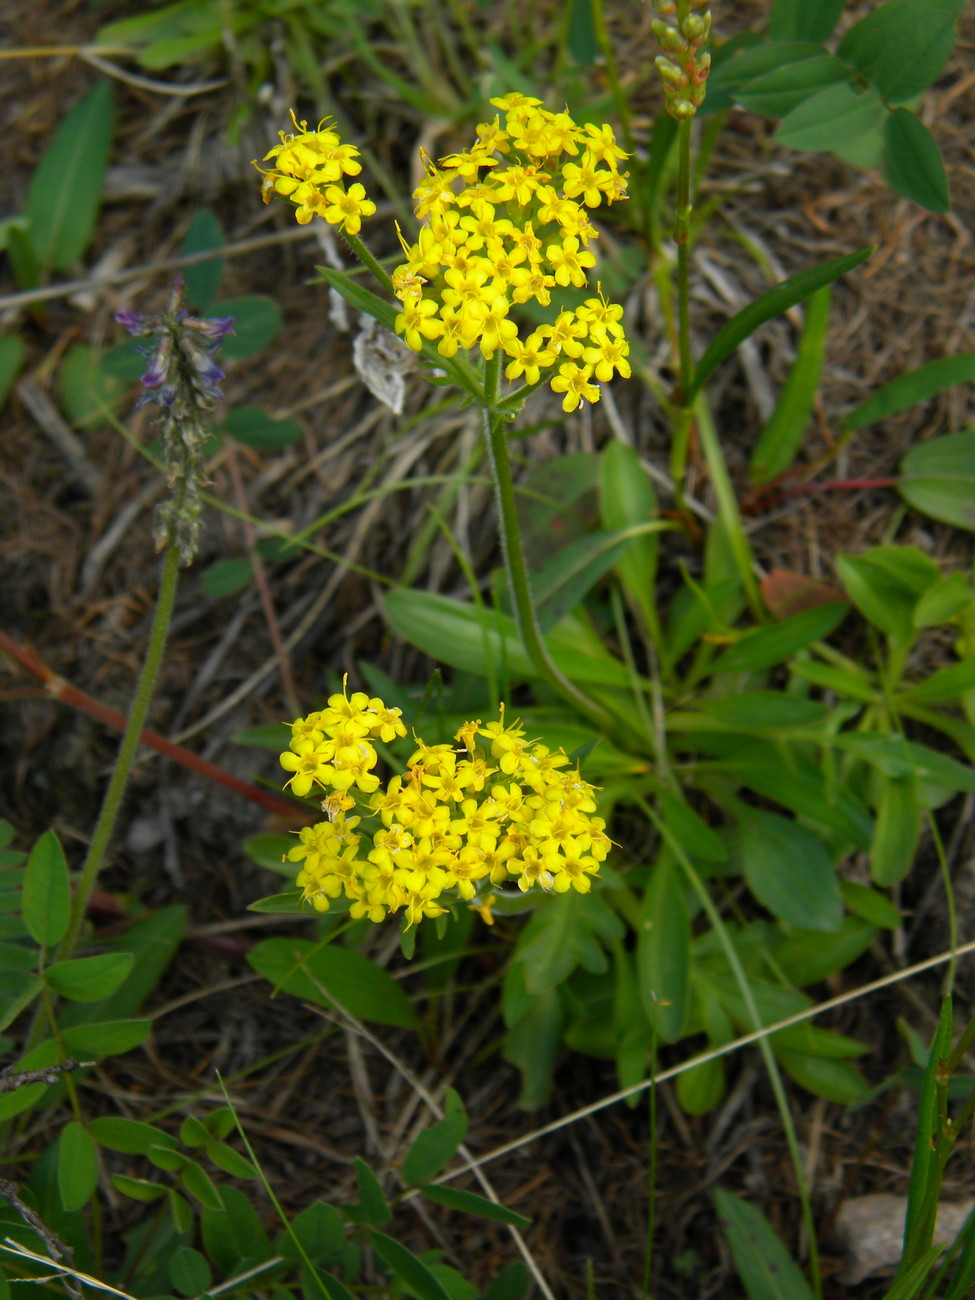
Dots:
{"x": 56, "y": 688}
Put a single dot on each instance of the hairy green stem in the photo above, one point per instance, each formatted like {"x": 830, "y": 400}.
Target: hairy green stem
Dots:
{"x": 126, "y": 754}
{"x": 514, "y": 560}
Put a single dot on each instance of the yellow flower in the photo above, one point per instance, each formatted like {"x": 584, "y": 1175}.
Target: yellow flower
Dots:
{"x": 576, "y": 383}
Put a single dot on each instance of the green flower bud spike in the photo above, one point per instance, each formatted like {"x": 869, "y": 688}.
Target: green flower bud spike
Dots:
{"x": 681, "y": 34}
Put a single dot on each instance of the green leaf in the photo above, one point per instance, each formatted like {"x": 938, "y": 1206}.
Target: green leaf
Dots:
{"x": 944, "y": 601}
{"x": 902, "y": 47}
{"x": 943, "y": 684}
{"x": 963, "y": 1278}
{"x": 105, "y": 1038}
{"x": 764, "y": 647}
{"x": 20, "y": 990}
{"x": 471, "y": 1203}
{"x": 809, "y": 956}
{"x": 761, "y": 711}
{"x": 199, "y": 1185}
{"x": 789, "y": 870}
{"x": 767, "y": 1270}
{"x": 782, "y": 437}
{"x": 924, "y": 1188}
{"x": 87, "y": 393}
{"x": 512, "y": 1283}
{"x": 65, "y": 191}
{"x": 268, "y": 849}
{"x": 226, "y": 577}
{"x": 534, "y": 1031}
{"x": 220, "y": 1122}
{"x": 751, "y": 60}
{"x": 87, "y": 979}
{"x": 139, "y": 1189}
{"x": 361, "y": 299}
{"x": 691, "y": 831}
{"x": 129, "y": 1136}
{"x": 152, "y": 942}
{"x": 252, "y": 427}
{"x": 288, "y": 904}
{"x": 256, "y": 321}
{"x": 373, "y": 1208}
{"x": 193, "y": 1132}
{"x": 897, "y": 757}
{"x": 897, "y": 832}
{"x": 663, "y": 949}
{"x": 12, "y": 351}
{"x": 798, "y": 20}
{"x": 912, "y": 162}
{"x": 47, "y": 891}
{"x": 17, "y": 956}
{"x": 833, "y": 117}
{"x": 77, "y": 1166}
{"x": 938, "y": 477}
{"x": 203, "y": 280}
{"x": 320, "y": 1231}
{"x": 701, "y": 1087}
{"x": 405, "y": 1265}
{"x": 837, "y": 1081}
{"x": 876, "y": 909}
{"x": 189, "y": 1271}
{"x": 325, "y": 975}
{"x": 568, "y": 577}
{"x": 433, "y": 1147}
{"x": 800, "y": 786}
{"x": 909, "y": 390}
{"x": 885, "y": 584}
{"x": 458, "y": 634}
{"x": 767, "y": 307}
{"x": 777, "y": 93}
{"x": 628, "y": 498}
{"x": 565, "y": 932}
{"x": 233, "y": 1236}
{"x": 230, "y": 1161}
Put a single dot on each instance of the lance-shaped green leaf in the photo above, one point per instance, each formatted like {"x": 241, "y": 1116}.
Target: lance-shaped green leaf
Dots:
{"x": 418, "y": 1278}
{"x": 47, "y": 891}
{"x": 88, "y": 979}
{"x": 910, "y": 389}
{"x": 470, "y": 1203}
{"x": 832, "y": 119}
{"x": 938, "y": 477}
{"x": 925, "y": 1184}
{"x": 65, "y": 190}
{"x": 782, "y": 437}
{"x": 767, "y": 1270}
{"x": 434, "y": 1146}
{"x": 767, "y": 307}
{"x": 912, "y": 162}
{"x": 628, "y": 499}
{"x": 798, "y": 20}
{"x": 77, "y": 1166}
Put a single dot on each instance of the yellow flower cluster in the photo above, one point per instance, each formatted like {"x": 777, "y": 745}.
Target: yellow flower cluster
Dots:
{"x": 505, "y": 222}
{"x": 460, "y": 821}
{"x": 310, "y": 169}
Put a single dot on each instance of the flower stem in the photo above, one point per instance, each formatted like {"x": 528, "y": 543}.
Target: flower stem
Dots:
{"x": 126, "y": 754}
{"x": 515, "y": 566}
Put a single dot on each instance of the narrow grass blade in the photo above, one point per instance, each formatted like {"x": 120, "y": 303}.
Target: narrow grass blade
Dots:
{"x": 767, "y": 307}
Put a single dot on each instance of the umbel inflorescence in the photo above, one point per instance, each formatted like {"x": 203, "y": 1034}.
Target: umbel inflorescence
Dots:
{"x": 504, "y": 224}
{"x": 459, "y": 823}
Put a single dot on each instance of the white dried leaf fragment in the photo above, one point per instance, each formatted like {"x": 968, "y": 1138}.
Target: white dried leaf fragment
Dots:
{"x": 383, "y": 362}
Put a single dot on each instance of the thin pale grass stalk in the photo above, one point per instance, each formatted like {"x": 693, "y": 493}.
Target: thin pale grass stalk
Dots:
{"x": 712, "y": 1054}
